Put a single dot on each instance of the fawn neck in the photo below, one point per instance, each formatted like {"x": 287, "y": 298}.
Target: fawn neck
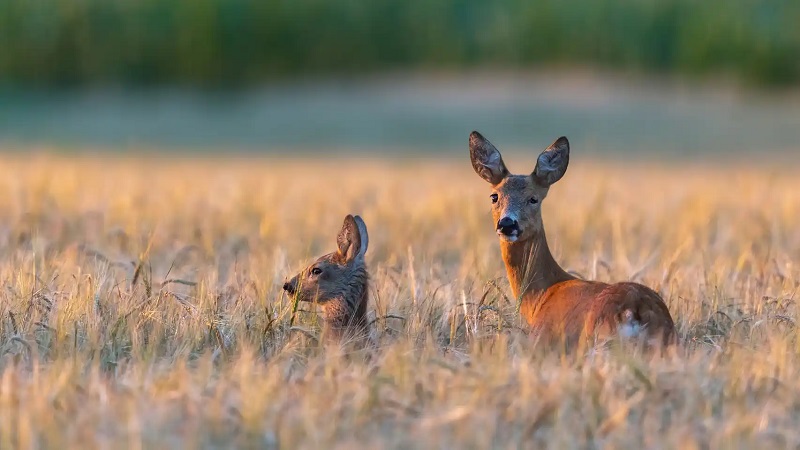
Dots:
{"x": 530, "y": 266}
{"x": 350, "y": 308}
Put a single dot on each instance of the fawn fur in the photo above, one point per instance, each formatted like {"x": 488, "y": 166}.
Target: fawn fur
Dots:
{"x": 338, "y": 282}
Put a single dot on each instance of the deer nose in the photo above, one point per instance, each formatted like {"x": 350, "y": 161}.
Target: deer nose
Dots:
{"x": 507, "y": 226}
{"x": 288, "y": 288}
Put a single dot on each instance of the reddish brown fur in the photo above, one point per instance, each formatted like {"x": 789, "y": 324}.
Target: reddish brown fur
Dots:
{"x": 558, "y": 306}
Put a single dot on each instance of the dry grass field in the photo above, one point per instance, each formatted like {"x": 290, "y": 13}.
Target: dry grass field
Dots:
{"x": 141, "y": 306}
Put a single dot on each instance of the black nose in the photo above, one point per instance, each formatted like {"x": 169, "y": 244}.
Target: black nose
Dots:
{"x": 507, "y": 226}
{"x": 288, "y": 288}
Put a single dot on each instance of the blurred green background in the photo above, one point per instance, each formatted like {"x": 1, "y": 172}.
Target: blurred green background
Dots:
{"x": 235, "y": 42}
{"x": 291, "y": 73}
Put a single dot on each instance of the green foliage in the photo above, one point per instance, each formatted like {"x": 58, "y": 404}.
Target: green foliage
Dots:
{"x": 235, "y": 42}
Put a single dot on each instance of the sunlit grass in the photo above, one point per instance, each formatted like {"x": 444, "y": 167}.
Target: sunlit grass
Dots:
{"x": 141, "y": 307}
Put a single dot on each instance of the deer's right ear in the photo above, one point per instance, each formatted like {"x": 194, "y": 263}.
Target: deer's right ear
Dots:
{"x": 486, "y": 159}
{"x": 353, "y": 239}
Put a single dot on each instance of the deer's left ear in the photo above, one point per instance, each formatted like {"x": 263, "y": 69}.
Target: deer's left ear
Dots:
{"x": 552, "y": 163}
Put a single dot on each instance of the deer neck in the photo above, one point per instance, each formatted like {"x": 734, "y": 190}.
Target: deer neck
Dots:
{"x": 530, "y": 266}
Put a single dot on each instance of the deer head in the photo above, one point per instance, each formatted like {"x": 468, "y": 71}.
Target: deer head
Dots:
{"x": 517, "y": 199}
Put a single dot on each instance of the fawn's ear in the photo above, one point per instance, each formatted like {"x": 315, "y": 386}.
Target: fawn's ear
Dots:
{"x": 552, "y": 163}
{"x": 353, "y": 238}
{"x": 486, "y": 159}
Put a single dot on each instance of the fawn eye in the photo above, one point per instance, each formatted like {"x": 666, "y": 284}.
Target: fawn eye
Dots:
{"x": 316, "y": 271}
{"x": 494, "y": 198}
{"x": 533, "y": 201}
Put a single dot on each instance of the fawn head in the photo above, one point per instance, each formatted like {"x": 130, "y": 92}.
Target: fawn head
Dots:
{"x": 517, "y": 199}
{"x": 340, "y": 275}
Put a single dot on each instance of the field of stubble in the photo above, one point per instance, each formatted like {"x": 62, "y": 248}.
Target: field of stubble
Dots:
{"x": 141, "y": 307}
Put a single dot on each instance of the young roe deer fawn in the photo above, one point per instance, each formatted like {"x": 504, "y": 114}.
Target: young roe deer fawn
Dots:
{"x": 558, "y": 306}
{"x": 338, "y": 282}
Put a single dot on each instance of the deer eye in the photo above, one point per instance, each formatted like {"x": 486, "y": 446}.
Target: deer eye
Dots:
{"x": 316, "y": 271}
{"x": 494, "y": 198}
{"x": 533, "y": 201}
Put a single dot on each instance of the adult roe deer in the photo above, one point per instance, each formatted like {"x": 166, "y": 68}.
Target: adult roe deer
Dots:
{"x": 558, "y": 306}
{"x": 338, "y": 282}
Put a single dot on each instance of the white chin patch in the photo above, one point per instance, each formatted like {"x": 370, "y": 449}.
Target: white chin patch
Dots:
{"x": 509, "y": 237}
